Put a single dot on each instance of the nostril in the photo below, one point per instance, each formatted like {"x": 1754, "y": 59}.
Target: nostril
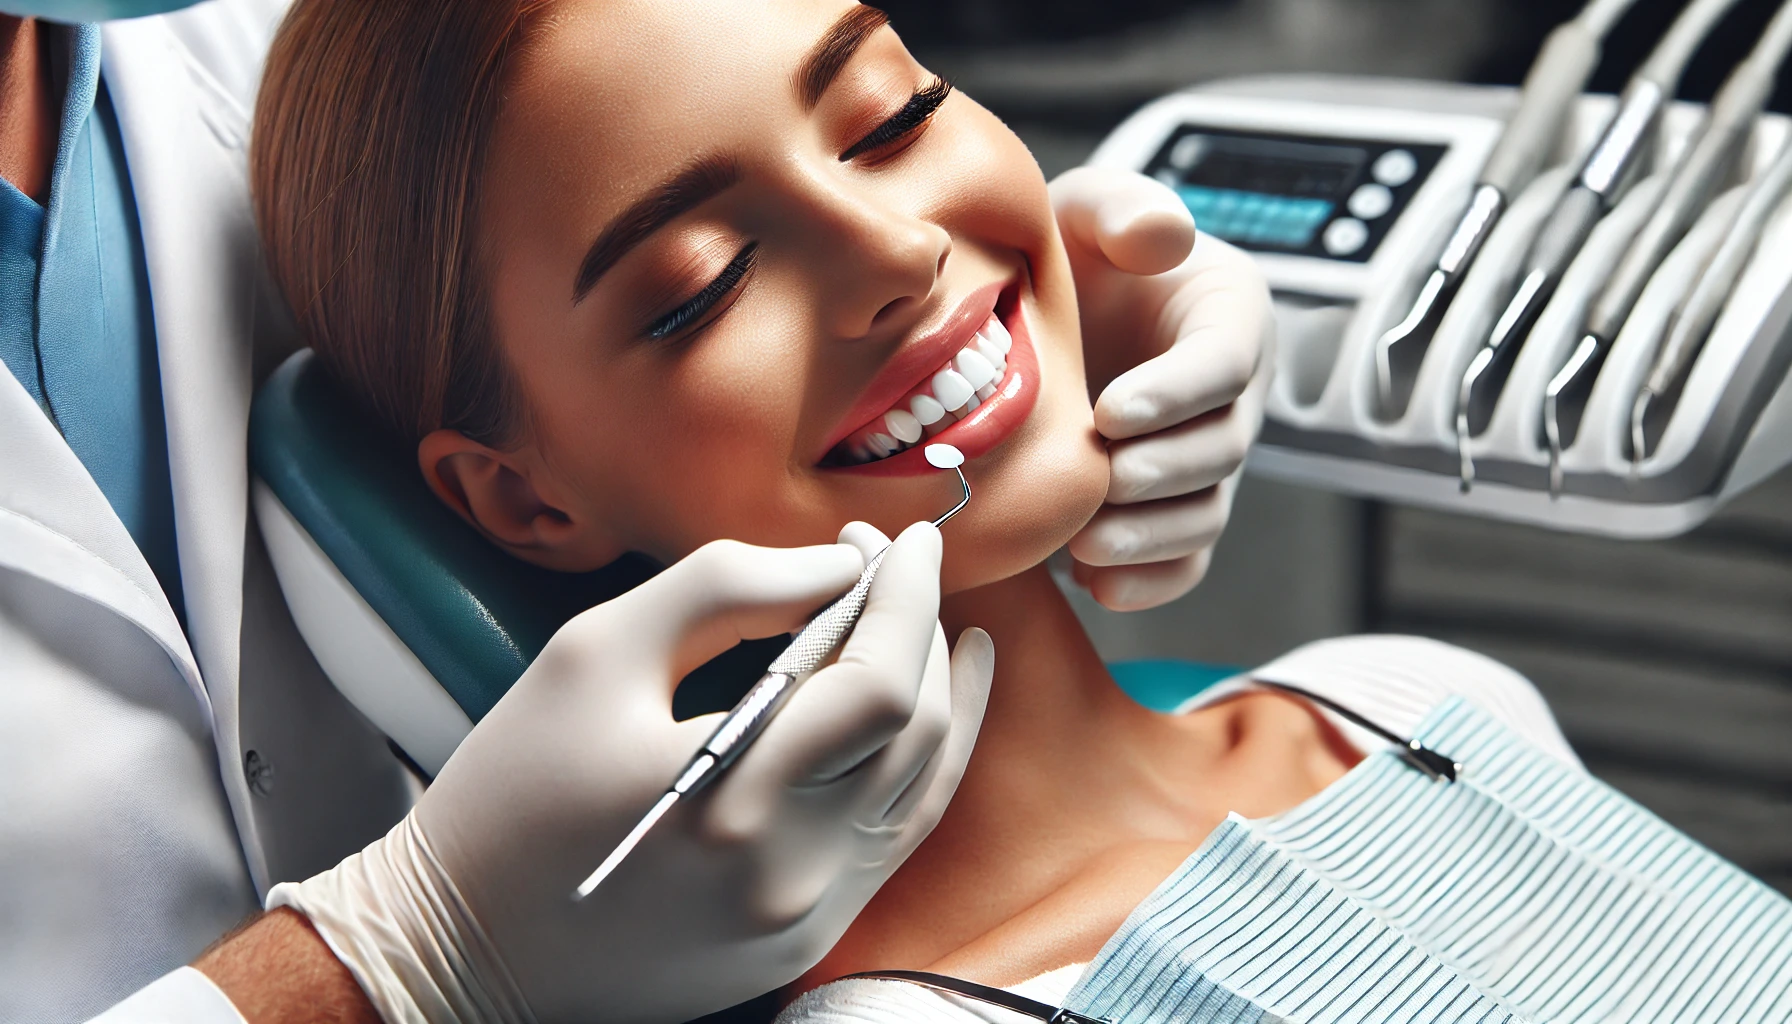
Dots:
{"x": 890, "y": 309}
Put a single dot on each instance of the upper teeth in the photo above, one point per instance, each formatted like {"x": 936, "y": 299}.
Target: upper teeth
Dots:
{"x": 954, "y": 392}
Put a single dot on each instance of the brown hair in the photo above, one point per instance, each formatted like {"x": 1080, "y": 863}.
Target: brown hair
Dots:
{"x": 366, "y": 167}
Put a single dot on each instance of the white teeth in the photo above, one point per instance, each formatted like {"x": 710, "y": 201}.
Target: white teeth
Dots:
{"x": 905, "y": 426}
{"x": 926, "y": 410}
{"x": 971, "y": 379}
{"x": 975, "y": 369}
{"x": 998, "y": 333}
{"x": 992, "y": 352}
{"x": 951, "y": 390}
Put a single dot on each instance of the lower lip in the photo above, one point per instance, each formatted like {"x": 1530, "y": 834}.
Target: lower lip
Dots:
{"x": 980, "y": 432}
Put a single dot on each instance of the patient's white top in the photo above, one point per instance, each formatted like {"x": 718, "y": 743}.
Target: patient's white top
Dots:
{"x": 1394, "y": 681}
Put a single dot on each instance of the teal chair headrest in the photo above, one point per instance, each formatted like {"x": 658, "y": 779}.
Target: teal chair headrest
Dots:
{"x": 473, "y": 616}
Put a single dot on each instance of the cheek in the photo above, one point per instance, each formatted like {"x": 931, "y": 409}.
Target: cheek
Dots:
{"x": 995, "y": 189}
{"x": 668, "y": 459}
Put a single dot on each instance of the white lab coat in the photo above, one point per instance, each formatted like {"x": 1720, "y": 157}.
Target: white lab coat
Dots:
{"x": 131, "y": 836}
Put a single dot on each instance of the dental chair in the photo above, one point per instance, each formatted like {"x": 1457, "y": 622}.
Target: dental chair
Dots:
{"x": 423, "y": 624}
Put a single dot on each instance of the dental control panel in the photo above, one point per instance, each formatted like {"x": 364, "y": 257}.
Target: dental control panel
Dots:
{"x": 1331, "y": 199}
{"x": 1348, "y": 193}
{"x": 1320, "y": 198}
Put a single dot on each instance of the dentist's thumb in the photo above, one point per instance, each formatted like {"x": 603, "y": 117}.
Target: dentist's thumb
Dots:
{"x": 1133, "y": 223}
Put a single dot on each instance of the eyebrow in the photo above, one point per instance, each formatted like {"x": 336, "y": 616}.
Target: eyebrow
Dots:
{"x": 825, "y": 60}
{"x": 683, "y": 192}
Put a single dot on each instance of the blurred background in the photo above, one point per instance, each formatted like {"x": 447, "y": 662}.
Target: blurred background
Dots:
{"x": 1669, "y": 664}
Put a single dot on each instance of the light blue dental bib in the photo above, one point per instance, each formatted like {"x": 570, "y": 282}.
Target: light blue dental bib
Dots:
{"x": 1526, "y": 890}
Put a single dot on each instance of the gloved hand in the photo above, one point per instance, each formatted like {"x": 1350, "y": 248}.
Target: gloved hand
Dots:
{"x": 1179, "y": 343}
{"x": 464, "y": 912}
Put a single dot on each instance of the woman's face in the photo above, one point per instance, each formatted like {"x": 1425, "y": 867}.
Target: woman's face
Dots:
{"x": 732, "y": 249}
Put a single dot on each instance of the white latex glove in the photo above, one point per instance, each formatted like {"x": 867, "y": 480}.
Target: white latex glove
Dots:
{"x": 1178, "y": 337}
{"x": 464, "y": 912}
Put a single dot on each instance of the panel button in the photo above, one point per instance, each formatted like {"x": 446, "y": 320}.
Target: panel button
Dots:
{"x": 1346, "y": 236}
{"x": 1395, "y": 168}
{"x": 1371, "y": 201}
{"x": 1188, "y": 151}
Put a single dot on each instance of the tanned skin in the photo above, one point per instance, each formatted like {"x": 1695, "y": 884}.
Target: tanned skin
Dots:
{"x": 276, "y": 969}
{"x": 27, "y": 110}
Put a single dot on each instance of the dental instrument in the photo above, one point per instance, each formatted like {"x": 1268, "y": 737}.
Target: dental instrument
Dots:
{"x": 747, "y": 721}
{"x": 1596, "y": 189}
{"x": 1709, "y": 160}
{"x": 1695, "y": 315}
{"x": 1569, "y": 57}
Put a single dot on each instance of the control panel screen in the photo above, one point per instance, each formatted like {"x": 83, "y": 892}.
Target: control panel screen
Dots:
{"x": 1329, "y": 198}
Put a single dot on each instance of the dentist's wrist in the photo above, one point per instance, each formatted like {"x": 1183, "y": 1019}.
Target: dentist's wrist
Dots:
{"x": 277, "y": 970}
{"x": 398, "y": 925}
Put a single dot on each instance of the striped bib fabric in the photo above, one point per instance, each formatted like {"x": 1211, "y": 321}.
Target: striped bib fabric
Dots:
{"x": 1524, "y": 891}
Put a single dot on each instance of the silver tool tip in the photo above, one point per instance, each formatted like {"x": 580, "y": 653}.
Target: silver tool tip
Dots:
{"x": 1462, "y": 452}
{"x": 1465, "y": 394}
{"x": 1581, "y": 368}
{"x": 1407, "y": 330}
{"x": 1639, "y": 439}
{"x": 1384, "y": 357}
{"x": 626, "y": 847}
{"x": 1552, "y": 434}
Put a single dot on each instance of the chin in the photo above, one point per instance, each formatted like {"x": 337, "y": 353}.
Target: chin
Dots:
{"x": 1029, "y": 502}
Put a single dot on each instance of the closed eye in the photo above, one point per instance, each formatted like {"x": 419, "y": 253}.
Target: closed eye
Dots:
{"x": 713, "y": 292}
{"x": 913, "y": 116}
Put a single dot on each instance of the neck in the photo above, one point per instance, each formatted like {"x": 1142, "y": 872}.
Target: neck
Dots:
{"x": 27, "y": 110}
{"x": 1051, "y": 688}
{"x": 1059, "y": 739}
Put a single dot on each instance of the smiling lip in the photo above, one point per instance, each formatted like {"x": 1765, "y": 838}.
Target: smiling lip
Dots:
{"x": 917, "y": 361}
{"x": 992, "y": 422}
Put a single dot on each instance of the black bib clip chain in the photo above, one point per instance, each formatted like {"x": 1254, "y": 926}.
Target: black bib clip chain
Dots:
{"x": 1434, "y": 765}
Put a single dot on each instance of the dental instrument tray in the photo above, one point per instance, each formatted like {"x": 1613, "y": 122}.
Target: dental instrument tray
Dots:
{"x": 1349, "y": 192}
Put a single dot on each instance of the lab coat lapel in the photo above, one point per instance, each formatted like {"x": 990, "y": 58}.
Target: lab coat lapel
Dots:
{"x": 184, "y": 140}
{"x": 57, "y": 526}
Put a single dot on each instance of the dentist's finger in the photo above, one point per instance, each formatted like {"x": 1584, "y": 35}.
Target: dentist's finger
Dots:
{"x": 849, "y": 710}
{"x": 719, "y": 595}
{"x": 867, "y": 538}
{"x": 973, "y": 670}
{"x": 1178, "y": 461}
{"x": 897, "y": 774}
{"x": 1189, "y": 457}
{"x": 1132, "y": 588}
{"x": 1134, "y": 223}
{"x": 1224, "y": 334}
{"x": 1154, "y": 531}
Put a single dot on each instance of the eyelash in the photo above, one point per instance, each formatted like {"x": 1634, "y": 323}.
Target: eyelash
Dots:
{"x": 913, "y": 116}
{"x": 905, "y": 122}
{"x": 699, "y": 304}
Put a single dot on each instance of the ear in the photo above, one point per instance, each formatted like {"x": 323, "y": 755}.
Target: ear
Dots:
{"x": 496, "y": 492}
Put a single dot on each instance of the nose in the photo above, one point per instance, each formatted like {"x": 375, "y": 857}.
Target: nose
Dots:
{"x": 879, "y": 259}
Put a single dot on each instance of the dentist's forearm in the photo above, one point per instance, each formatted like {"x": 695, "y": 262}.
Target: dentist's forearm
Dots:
{"x": 278, "y": 970}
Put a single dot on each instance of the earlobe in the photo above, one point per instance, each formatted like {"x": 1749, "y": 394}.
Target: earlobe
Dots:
{"x": 492, "y": 490}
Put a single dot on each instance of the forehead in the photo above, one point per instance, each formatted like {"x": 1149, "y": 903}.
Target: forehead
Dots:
{"x": 643, "y": 85}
